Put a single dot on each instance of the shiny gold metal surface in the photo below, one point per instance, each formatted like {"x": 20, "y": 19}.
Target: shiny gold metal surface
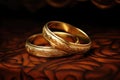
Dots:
{"x": 38, "y": 46}
{"x": 81, "y": 46}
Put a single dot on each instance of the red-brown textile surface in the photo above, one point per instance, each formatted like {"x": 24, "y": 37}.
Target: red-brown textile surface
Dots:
{"x": 102, "y": 62}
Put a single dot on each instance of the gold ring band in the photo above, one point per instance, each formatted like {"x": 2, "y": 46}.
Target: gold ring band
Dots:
{"x": 82, "y": 46}
{"x": 38, "y": 46}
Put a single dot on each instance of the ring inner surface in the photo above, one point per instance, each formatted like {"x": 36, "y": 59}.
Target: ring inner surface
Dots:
{"x": 64, "y": 27}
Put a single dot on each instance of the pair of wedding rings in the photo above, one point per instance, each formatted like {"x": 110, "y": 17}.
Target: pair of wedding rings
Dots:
{"x": 58, "y": 39}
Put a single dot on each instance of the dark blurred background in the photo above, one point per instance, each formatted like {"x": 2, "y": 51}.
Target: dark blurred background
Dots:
{"x": 83, "y": 13}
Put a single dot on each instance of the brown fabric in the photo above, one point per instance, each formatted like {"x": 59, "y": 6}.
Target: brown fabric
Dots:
{"x": 102, "y": 62}
{"x": 36, "y": 5}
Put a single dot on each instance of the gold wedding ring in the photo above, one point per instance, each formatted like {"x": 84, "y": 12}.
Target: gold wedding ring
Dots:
{"x": 38, "y": 46}
{"x": 82, "y": 46}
